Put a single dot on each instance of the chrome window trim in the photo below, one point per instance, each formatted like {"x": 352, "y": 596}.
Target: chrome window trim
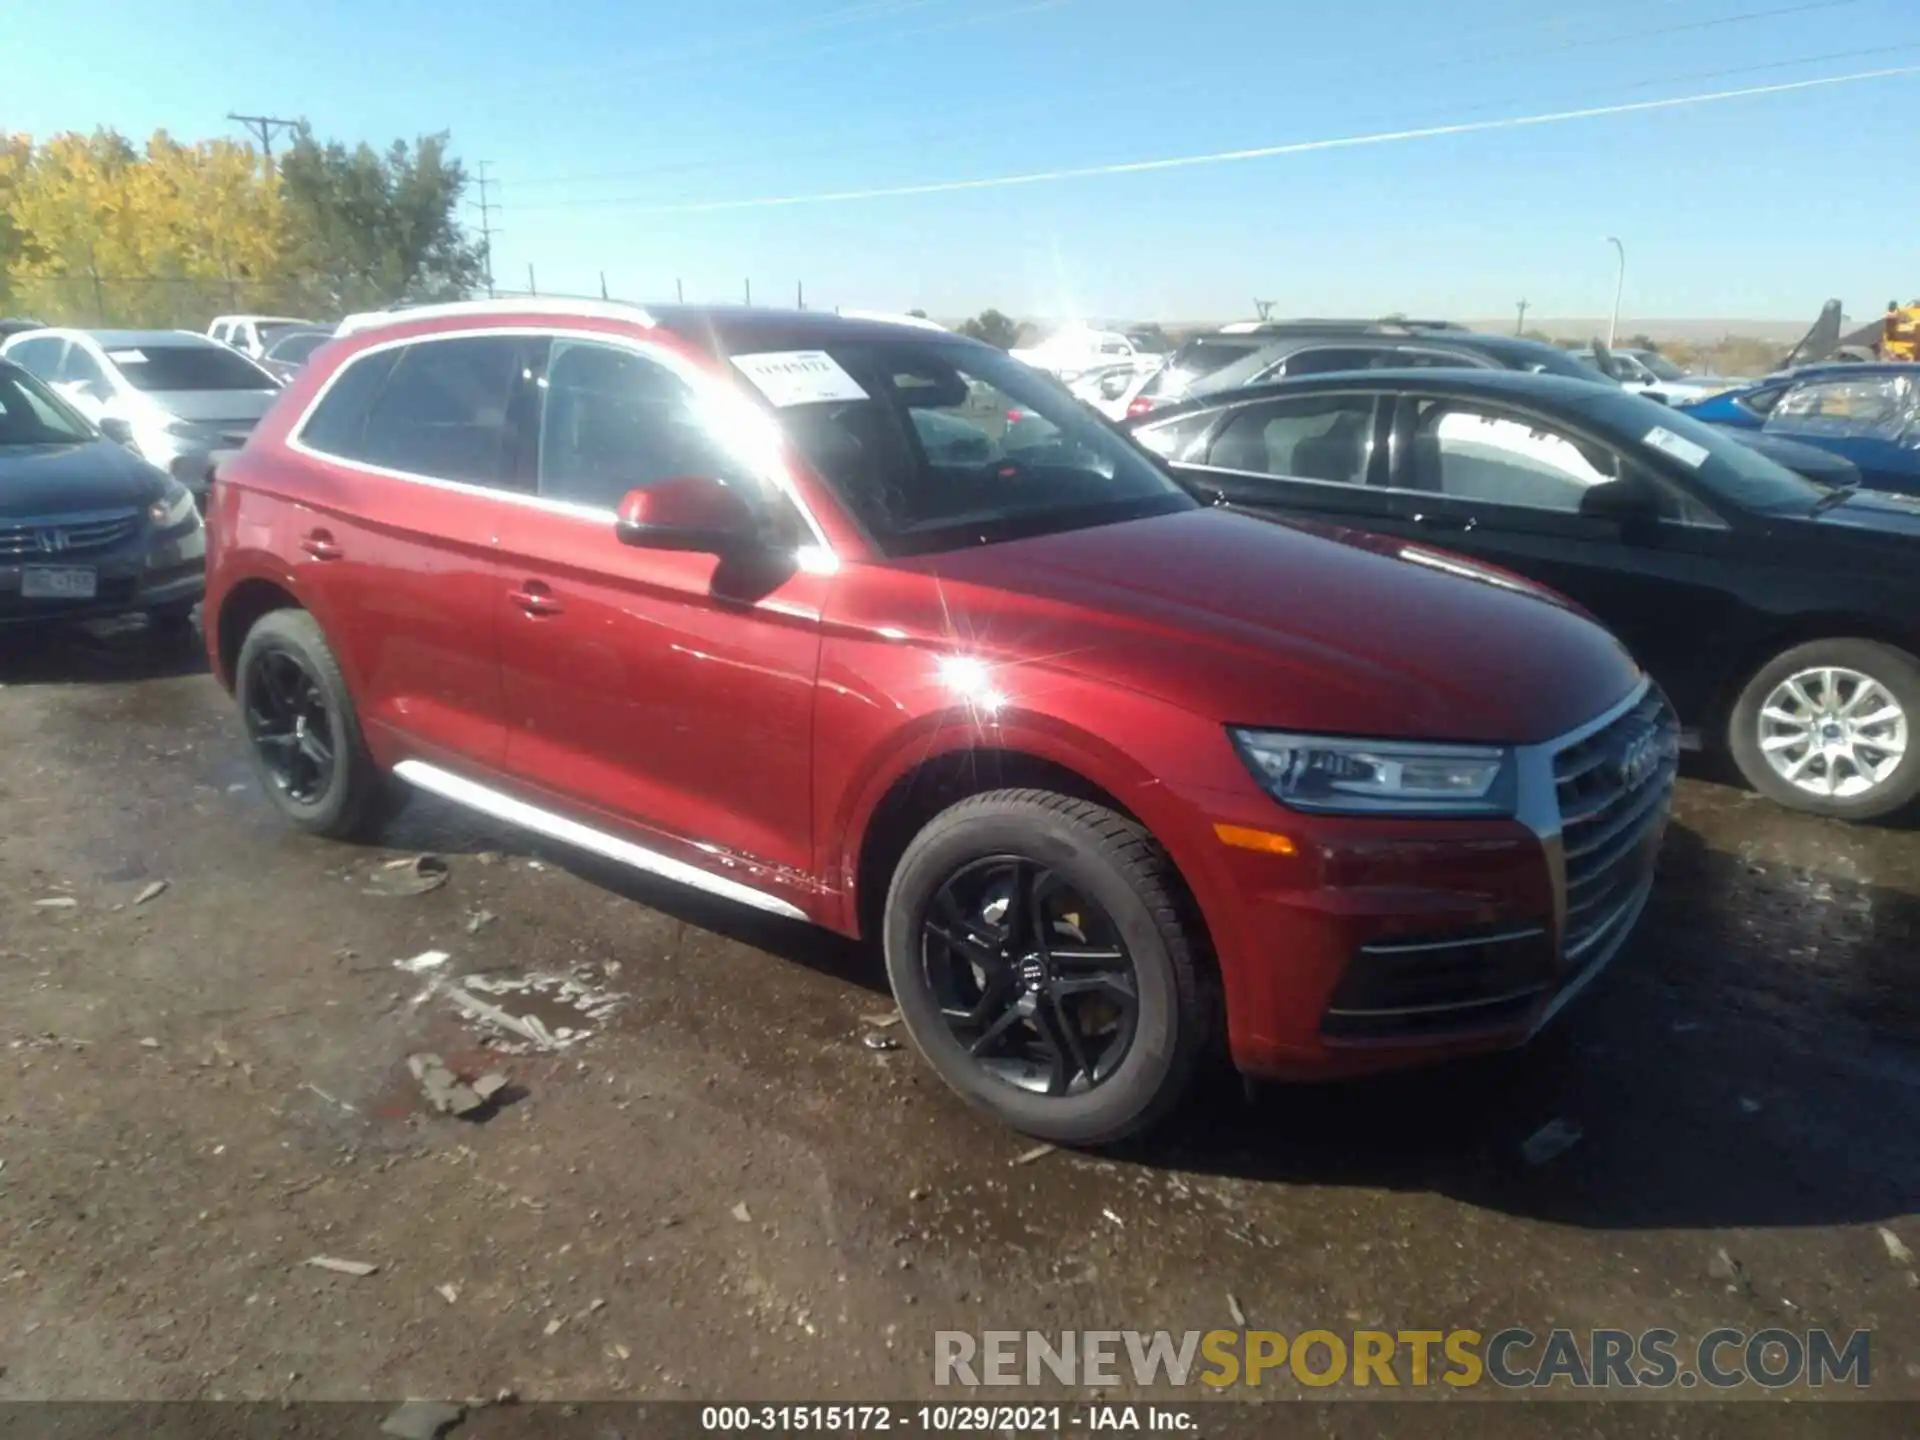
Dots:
{"x": 696, "y": 378}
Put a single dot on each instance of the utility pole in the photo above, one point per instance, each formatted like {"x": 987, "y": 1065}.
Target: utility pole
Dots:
{"x": 1520, "y": 325}
{"x": 679, "y": 293}
{"x": 487, "y": 230}
{"x": 263, "y": 128}
{"x": 1619, "y": 285}
{"x": 603, "y": 284}
{"x": 1264, "y": 308}
{"x": 532, "y": 289}
{"x": 749, "y": 285}
{"x": 799, "y": 295}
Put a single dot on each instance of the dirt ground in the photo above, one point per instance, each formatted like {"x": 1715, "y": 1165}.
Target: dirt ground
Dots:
{"x": 719, "y": 1191}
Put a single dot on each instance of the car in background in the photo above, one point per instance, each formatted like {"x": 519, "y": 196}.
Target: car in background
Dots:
{"x": 685, "y": 587}
{"x": 1257, "y": 353}
{"x": 1649, "y": 373}
{"x": 1071, "y": 352}
{"x": 86, "y": 527}
{"x": 292, "y": 349}
{"x": 17, "y": 325}
{"x": 1867, "y": 413}
{"x": 253, "y": 335}
{"x": 174, "y": 396}
{"x": 1782, "y": 618}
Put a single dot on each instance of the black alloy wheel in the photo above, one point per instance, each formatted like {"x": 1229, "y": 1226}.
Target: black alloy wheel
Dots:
{"x": 290, "y": 726}
{"x": 1031, "y": 975}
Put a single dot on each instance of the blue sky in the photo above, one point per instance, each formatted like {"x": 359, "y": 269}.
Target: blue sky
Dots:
{"x": 625, "y": 141}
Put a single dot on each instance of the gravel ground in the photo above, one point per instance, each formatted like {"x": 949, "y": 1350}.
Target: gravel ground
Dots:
{"x": 716, "y": 1190}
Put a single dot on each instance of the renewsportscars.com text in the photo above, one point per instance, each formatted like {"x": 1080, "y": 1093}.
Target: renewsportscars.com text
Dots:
{"x": 1514, "y": 1358}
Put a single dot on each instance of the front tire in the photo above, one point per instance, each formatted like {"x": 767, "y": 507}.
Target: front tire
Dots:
{"x": 1829, "y": 728}
{"x": 1045, "y": 966}
{"x": 303, "y": 731}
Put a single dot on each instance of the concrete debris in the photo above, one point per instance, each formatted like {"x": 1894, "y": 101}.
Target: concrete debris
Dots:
{"x": 147, "y": 1042}
{"x": 1233, "y": 1309}
{"x": 449, "y": 1293}
{"x": 423, "y": 1419}
{"x": 423, "y": 962}
{"x": 489, "y": 857}
{"x": 619, "y": 1352}
{"x": 153, "y": 890}
{"x": 1552, "y": 1139}
{"x": 1724, "y": 1267}
{"x": 489, "y": 1085}
{"x": 742, "y": 1214}
{"x": 343, "y": 1267}
{"x": 553, "y": 1325}
{"x": 595, "y": 1305}
{"x": 477, "y": 920}
{"x": 1027, "y": 1157}
{"x": 56, "y": 902}
{"x": 413, "y": 876}
{"x": 877, "y": 1041}
{"x": 444, "y": 1090}
{"x": 1114, "y": 1218}
{"x": 918, "y": 1192}
{"x": 881, "y": 1022}
{"x": 1897, "y": 1250}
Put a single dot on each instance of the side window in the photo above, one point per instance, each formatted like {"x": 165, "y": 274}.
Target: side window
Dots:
{"x": 1467, "y": 453}
{"x": 1762, "y": 402}
{"x": 1327, "y": 359}
{"x": 39, "y": 358}
{"x": 616, "y": 421}
{"x": 81, "y": 368}
{"x": 338, "y": 423}
{"x": 1425, "y": 360}
{"x": 1318, "y": 437}
{"x": 455, "y": 409}
{"x": 1173, "y": 439}
{"x": 223, "y": 332}
{"x": 1874, "y": 407}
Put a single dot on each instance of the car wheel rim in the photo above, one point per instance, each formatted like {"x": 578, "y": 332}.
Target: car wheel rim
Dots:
{"x": 1832, "y": 732}
{"x": 289, "y": 725}
{"x": 1030, "y": 975}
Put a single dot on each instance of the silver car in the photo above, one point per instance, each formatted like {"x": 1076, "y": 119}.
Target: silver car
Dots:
{"x": 172, "y": 396}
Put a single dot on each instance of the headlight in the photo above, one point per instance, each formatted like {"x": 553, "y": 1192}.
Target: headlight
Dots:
{"x": 174, "y": 507}
{"x": 1379, "y": 777}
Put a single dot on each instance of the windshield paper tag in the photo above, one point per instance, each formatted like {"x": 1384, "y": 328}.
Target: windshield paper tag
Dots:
{"x": 127, "y": 357}
{"x": 799, "y": 377}
{"x": 1685, "y": 451}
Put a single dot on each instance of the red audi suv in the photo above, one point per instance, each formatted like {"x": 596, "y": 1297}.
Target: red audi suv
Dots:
{"x": 794, "y": 610}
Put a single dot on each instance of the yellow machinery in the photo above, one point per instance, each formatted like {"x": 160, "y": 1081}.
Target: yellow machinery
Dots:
{"x": 1900, "y": 333}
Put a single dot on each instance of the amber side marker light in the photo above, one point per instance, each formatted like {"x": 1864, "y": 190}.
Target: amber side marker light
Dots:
{"x": 1243, "y": 838}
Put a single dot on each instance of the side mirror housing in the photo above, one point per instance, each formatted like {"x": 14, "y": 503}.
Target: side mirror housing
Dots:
{"x": 116, "y": 430}
{"x": 701, "y": 513}
{"x": 1628, "y": 501}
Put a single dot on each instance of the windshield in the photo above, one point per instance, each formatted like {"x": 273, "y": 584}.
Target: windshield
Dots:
{"x": 296, "y": 348}
{"x": 31, "y": 414}
{"x": 1662, "y": 368}
{"x": 160, "y": 366}
{"x": 277, "y": 330}
{"x": 1195, "y": 360}
{"x": 934, "y": 445}
{"x": 1722, "y": 465}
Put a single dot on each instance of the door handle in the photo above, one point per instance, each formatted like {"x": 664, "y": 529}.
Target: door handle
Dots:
{"x": 319, "y": 544}
{"x": 536, "y": 599}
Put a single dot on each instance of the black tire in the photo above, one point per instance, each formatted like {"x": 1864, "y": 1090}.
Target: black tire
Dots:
{"x": 1895, "y": 670}
{"x": 1118, "y": 866}
{"x": 358, "y": 799}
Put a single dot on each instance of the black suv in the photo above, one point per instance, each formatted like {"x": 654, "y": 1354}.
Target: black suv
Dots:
{"x": 1253, "y": 353}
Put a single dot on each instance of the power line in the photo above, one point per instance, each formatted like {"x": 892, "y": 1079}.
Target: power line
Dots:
{"x": 264, "y": 128}
{"x": 1266, "y": 152}
{"x": 487, "y": 230}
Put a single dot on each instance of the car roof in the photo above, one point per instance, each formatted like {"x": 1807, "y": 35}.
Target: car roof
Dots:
{"x": 132, "y": 339}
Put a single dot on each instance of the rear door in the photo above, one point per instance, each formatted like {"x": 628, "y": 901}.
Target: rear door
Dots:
{"x": 417, "y": 448}
{"x": 1319, "y": 456}
{"x": 1506, "y": 487}
{"x": 667, "y": 690}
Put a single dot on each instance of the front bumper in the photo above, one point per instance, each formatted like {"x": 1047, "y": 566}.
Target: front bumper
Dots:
{"x": 1382, "y": 943}
{"x": 150, "y": 572}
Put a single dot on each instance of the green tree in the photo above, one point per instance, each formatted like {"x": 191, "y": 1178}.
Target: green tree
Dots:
{"x": 918, "y": 314}
{"x": 993, "y": 327}
{"x": 368, "y": 229}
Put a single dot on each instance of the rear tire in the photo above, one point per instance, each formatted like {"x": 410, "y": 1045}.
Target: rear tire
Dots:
{"x": 1099, "y": 886}
{"x": 1824, "y": 689}
{"x": 304, "y": 733}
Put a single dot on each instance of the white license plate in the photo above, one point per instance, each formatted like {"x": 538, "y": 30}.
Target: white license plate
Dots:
{"x": 67, "y": 582}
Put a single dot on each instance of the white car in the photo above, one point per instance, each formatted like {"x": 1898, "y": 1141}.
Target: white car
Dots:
{"x": 1649, "y": 373}
{"x": 172, "y": 395}
{"x": 1073, "y": 352}
{"x": 254, "y": 334}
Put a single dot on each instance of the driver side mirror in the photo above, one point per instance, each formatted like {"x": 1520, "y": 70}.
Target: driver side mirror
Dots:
{"x": 1627, "y": 501}
{"x": 700, "y": 513}
{"x": 117, "y": 430}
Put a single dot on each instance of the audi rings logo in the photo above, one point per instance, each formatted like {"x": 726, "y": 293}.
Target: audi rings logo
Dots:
{"x": 1640, "y": 759}
{"x": 51, "y": 542}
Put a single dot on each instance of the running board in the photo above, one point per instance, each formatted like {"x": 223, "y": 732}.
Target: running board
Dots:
{"x": 571, "y": 832}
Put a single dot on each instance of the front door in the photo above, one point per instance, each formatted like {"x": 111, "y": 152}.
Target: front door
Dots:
{"x": 667, "y": 690}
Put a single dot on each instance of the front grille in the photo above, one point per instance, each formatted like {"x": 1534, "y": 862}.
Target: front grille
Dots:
{"x": 1455, "y": 984}
{"x": 52, "y": 538}
{"x": 1613, "y": 787}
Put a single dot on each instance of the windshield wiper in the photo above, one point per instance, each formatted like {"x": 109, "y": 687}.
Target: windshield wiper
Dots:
{"x": 1836, "y": 495}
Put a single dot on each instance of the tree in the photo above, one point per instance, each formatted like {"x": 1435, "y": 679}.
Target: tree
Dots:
{"x": 918, "y": 314}
{"x": 369, "y": 229}
{"x": 991, "y": 326}
{"x": 1642, "y": 342}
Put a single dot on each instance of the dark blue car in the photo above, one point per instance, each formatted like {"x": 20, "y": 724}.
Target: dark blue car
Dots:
{"x": 1868, "y": 414}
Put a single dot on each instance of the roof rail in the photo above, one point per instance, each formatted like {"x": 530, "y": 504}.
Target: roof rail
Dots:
{"x": 480, "y": 309}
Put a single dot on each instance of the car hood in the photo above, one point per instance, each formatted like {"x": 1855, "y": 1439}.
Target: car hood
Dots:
{"x": 1254, "y": 621}
{"x": 1868, "y": 514}
{"x": 40, "y": 480}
